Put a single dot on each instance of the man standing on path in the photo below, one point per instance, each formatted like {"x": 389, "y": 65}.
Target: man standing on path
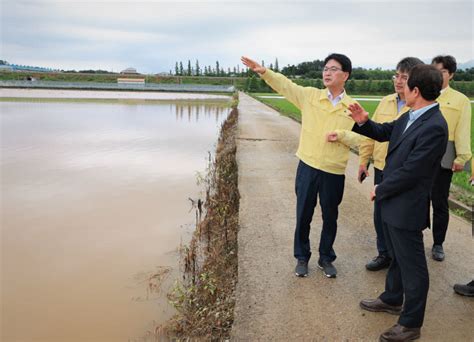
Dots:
{"x": 322, "y": 166}
{"x": 417, "y": 142}
{"x": 468, "y": 289}
{"x": 389, "y": 109}
{"x": 456, "y": 109}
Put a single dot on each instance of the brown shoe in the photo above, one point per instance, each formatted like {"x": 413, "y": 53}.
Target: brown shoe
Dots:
{"x": 399, "y": 333}
{"x": 376, "y": 305}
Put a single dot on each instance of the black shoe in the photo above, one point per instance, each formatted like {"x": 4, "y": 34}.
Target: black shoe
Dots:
{"x": 378, "y": 263}
{"x": 399, "y": 333}
{"x": 301, "y": 269}
{"x": 437, "y": 252}
{"x": 328, "y": 269}
{"x": 465, "y": 290}
{"x": 377, "y": 305}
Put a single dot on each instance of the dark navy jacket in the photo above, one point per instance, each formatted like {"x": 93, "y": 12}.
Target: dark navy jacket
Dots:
{"x": 412, "y": 160}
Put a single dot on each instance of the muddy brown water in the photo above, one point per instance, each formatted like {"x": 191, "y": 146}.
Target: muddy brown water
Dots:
{"x": 94, "y": 203}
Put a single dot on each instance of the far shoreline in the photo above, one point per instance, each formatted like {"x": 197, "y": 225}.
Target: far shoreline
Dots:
{"x": 22, "y": 93}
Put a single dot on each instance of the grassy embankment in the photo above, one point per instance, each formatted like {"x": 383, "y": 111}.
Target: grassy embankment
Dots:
{"x": 204, "y": 299}
{"x": 288, "y": 109}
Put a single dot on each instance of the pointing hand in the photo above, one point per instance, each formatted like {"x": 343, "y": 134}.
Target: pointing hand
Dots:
{"x": 252, "y": 65}
{"x": 358, "y": 114}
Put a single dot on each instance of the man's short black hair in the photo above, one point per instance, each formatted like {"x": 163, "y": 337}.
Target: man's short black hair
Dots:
{"x": 427, "y": 79}
{"x": 449, "y": 62}
{"x": 345, "y": 62}
{"x": 407, "y": 63}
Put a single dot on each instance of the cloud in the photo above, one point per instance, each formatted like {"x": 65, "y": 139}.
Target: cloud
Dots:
{"x": 153, "y": 35}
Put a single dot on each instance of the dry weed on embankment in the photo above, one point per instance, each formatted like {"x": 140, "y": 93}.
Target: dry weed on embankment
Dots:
{"x": 204, "y": 298}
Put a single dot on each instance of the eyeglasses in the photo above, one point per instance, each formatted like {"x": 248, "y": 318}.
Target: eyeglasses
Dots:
{"x": 400, "y": 77}
{"x": 331, "y": 69}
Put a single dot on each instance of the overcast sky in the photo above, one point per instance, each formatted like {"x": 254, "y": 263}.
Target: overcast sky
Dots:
{"x": 152, "y": 35}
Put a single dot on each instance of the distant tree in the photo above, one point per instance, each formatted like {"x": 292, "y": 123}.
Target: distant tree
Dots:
{"x": 189, "y": 68}
{"x": 217, "y": 68}
{"x": 252, "y": 84}
{"x": 289, "y": 70}
{"x": 198, "y": 70}
{"x": 263, "y": 63}
{"x": 2, "y": 62}
{"x": 248, "y": 72}
{"x": 276, "y": 65}
{"x": 271, "y": 66}
{"x": 181, "y": 69}
{"x": 176, "y": 69}
{"x": 350, "y": 86}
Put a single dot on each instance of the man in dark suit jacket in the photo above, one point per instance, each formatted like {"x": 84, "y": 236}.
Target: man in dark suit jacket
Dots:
{"x": 417, "y": 141}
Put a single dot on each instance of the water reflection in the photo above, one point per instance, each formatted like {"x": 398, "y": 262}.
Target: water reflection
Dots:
{"x": 192, "y": 112}
{"x": 94, "y": 199}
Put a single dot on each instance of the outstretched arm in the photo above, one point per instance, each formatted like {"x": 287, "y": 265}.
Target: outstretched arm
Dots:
{"x": 364, "y": 126}
{"x": 294, "y": 93}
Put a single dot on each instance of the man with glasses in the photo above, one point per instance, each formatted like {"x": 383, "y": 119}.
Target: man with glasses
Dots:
{"x": 456, "y": 109}
{"x": 389, "y": 109}
{"x": 322, "y": 166}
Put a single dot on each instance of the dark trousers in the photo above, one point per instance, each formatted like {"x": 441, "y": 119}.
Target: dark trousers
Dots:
{"x": 309, "y": 183}
{"x": 439, "y": 198}
{"x": 407, "y": 276}
{"x": 381, "y": 246}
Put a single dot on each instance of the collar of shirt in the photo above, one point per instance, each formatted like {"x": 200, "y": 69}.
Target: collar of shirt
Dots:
{"x": 400, "y": 103}
{"x": 337, "y": 99}
{"x": 443, "y": 90}
{"x": 415, "y": 114}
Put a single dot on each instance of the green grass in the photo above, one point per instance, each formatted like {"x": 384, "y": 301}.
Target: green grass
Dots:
{"x": 461, "y": 178}
{"x": 288, "y": 109}
{"x": 265, "y": 94}
{"x": 285, "y": 107}
{"x": 369, "y": 106}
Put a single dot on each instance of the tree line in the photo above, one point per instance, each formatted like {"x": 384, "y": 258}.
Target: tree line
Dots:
{"x": 255, "y": 84}
{"x": 216, "y": 70}
{"x": 305, "y": 70}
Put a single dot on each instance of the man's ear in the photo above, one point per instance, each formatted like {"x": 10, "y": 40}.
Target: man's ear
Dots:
{"x": 416, "y": 92}
{"x": 451, "y": 76}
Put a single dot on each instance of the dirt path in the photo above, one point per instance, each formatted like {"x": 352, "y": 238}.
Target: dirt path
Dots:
{"x": 272, "y": 303}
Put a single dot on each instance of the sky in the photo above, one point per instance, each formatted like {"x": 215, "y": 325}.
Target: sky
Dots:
{"x": 152, "y": 36}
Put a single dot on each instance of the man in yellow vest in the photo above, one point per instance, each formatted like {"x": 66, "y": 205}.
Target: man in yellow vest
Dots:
{"x": 322, "y": 165}
{"x": 389, "y": 109}
{"x": 456, "y": 109}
